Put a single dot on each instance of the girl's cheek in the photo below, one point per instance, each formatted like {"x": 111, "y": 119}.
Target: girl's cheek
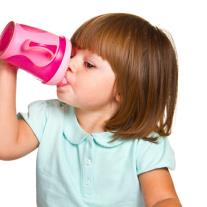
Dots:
{"x": 72, "y": 80}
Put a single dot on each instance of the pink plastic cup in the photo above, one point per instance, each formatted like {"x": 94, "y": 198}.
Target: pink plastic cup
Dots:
{"x": 43, "y": 54}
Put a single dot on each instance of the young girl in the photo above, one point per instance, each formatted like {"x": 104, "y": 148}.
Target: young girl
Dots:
{"x": 103, "y": 143}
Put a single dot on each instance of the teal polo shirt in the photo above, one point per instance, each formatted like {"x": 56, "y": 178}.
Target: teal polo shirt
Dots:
{"x": 78, "y": 169}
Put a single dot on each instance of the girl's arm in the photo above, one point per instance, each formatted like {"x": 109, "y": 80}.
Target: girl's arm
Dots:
{"x": 158, "y": 189}
{"x": 171, "y": 202}
{"x": 16, "y": 137}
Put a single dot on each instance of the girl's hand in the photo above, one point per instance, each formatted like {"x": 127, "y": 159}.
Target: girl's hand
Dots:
{"x": 6, "y": 66}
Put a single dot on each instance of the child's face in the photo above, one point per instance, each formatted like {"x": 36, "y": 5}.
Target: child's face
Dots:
{"x": 90, "y": 81}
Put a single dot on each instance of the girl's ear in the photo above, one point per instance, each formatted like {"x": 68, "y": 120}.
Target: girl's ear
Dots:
{"x": 118, "y": 97}
{"x": 116, "y": 94}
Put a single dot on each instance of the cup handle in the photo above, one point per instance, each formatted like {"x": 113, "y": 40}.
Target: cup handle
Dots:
{"x": 29, "y": 45}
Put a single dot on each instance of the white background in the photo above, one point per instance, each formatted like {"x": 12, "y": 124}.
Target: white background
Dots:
{"x": 185, "y": 20}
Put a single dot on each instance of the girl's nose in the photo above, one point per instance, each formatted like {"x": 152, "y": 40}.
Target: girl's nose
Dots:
{"x": 69, "y": 69}
{"x": 72, "y": 65}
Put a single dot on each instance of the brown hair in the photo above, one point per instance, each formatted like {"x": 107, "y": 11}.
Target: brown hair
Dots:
{"x": 144, "y": 62}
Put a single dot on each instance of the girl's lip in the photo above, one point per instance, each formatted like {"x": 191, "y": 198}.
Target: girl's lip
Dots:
{"x": 63, "y": 82}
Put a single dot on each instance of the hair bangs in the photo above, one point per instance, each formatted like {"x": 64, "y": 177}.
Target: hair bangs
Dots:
{"x": 100, "y": 37}
{"x": 91, "y": 38}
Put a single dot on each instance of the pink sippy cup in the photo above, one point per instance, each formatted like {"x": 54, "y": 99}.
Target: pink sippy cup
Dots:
{"x": 36, "y": 51}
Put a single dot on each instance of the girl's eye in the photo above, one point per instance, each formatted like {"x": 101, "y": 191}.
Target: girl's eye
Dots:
{"x": 89, "y": 65}
{"x": 72, "y": 54}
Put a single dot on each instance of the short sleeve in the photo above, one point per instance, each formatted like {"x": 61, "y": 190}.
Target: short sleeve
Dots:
{"x": 154, "y": 155}
{"x": 36, "y": 117}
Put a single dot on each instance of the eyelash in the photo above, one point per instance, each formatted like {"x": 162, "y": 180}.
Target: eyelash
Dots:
{"x": 86, "y": 64}
{"x": 89, "y": 65}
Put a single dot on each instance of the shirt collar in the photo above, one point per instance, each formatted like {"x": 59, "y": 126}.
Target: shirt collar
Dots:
{"x": 76, "y": 135}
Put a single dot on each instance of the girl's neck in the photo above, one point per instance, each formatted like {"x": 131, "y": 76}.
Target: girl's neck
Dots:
{"x": 94, "y": 121}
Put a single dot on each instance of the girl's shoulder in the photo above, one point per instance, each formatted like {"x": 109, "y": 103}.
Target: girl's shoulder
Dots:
{"x": 44, "y": 110}
{"x": 49, "y": 104}
{"x": 151, "y": 155}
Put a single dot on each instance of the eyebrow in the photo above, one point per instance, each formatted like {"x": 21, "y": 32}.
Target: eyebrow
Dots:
{"x": 93, "y": 56}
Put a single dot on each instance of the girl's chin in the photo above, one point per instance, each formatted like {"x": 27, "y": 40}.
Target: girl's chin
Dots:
{"x": 64, "y": 100}
{"x": 63, "y": 87}
{"x": 61, "y": 98}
